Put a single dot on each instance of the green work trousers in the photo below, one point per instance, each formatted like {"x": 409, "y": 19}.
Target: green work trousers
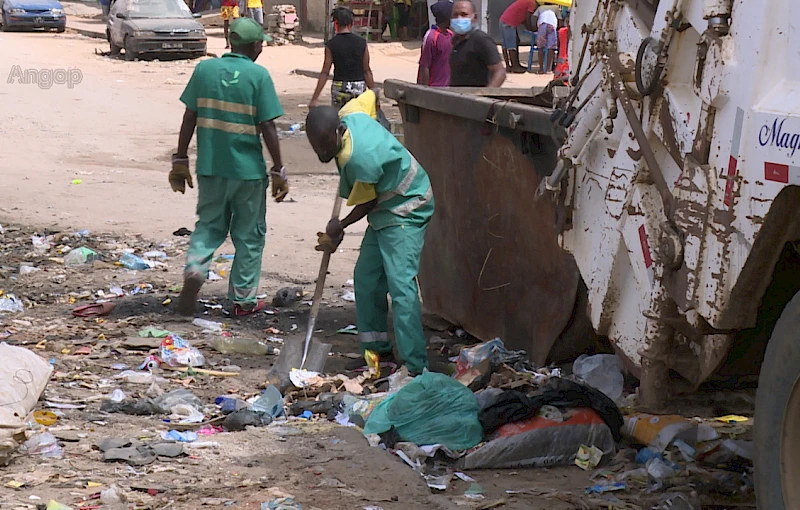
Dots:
{"x": 235, "y": 206}
{"x": 388, "y": 264}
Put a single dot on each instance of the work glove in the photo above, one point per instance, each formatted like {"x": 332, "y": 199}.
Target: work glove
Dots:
{"x": 180, "y": 175}
{"x": 280, "y": 185}
{"x": 326, "y": 243}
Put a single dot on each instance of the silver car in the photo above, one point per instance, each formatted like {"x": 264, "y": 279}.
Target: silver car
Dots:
{"x": 154, "y": 27}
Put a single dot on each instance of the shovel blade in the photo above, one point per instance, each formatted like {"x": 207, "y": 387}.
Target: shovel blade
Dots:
{"x": 291, "y": 356}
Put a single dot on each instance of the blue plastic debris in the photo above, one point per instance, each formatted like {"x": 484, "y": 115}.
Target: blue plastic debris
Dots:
{"x": 600, "y": 489}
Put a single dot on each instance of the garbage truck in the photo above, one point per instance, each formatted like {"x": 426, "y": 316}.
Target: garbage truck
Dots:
{"x": 653, "y": 198}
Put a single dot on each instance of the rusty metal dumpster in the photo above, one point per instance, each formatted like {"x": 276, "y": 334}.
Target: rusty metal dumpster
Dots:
{"x": 492, "y": 262}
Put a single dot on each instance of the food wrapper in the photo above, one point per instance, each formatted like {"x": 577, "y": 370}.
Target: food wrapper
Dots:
{"x": 177, "y": 352}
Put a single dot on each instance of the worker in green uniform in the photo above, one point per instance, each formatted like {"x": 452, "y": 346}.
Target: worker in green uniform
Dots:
{"x": 231, "y": 101}
{"x": 387, "y": 185}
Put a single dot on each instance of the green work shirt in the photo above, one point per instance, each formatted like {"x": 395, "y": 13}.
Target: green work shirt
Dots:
{"x": 231, "y": 96}
{"x": 403, "y": 188}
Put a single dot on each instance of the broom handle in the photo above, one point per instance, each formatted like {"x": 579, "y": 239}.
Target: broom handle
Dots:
{"x": 323, "y": 272}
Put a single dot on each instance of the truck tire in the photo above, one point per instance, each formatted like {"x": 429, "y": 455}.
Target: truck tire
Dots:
{"x": 777, "y": 421}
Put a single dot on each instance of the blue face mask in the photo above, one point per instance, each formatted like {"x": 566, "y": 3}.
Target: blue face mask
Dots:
{"x": 461, "y": 26}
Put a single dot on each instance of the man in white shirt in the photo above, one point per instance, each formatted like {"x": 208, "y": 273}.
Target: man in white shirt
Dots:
{"x": 546, "y": 38}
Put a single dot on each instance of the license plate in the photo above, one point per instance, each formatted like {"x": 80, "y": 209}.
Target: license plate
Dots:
{"x": 38, "y": 20}
{"x": 171, "y": 45}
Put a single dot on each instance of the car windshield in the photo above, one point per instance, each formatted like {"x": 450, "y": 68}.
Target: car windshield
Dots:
{"x": 158, "y": 9}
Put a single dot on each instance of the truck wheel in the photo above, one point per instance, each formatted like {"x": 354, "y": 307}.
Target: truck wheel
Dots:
{"x": 777, "y": 421}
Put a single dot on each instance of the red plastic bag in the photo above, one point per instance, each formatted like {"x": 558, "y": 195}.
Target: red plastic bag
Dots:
{"x": 540, "y": 442}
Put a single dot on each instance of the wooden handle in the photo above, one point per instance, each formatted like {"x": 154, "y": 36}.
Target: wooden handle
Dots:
{"x": 323, "y": 272}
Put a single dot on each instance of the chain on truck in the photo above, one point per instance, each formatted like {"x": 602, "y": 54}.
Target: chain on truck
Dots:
{"x": 678, "y": 185}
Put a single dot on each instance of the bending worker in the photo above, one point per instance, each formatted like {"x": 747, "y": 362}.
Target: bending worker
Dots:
{"x": 386, "y": 184}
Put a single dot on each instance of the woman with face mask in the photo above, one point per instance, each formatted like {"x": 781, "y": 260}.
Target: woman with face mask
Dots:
{"x": 475, "y": 61}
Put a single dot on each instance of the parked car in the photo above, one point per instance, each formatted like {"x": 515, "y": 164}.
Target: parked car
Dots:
{"x": 153, "y": 27}
{"x": 32, "y": 14}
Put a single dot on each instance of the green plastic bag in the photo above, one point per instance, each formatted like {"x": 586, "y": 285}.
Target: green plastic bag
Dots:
{"x": 431, "y": 409}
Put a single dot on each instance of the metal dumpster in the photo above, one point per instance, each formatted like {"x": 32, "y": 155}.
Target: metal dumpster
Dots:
{"x": 492, "y": 262}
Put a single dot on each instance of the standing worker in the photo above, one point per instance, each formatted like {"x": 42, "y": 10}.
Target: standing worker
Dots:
{"x": 434, "y": 62}
{"x": 231, "y": 100}
{"x": 349, "y": 56}
{"x": 385, "y": 183}
{"x": 546, "y": 37}
{"x": 516, "y": 14}
{"x": 474, "y": 61}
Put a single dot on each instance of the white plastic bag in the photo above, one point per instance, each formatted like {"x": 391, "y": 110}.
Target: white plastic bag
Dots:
{"x": 23, "y": 377}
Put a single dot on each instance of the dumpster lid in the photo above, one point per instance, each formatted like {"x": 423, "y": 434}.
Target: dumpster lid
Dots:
{"x": 517, "y": 109}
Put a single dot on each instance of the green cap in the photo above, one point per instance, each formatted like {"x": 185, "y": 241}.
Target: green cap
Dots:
{"x": 247, "y": 31}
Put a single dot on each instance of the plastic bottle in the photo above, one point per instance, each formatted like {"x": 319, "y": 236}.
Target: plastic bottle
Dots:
{"x": 271, "y": 402}
{"x": 230, "y": 345}
{"x": 44, "y": 444}
{"x": 208, "y": 325}
{"x": 131, "y": 261}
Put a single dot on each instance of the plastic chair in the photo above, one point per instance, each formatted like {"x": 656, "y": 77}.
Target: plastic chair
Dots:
{"x": 533, "y": 48}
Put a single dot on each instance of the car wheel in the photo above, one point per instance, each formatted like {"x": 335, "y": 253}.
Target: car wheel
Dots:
{"x": 777, "y": 421}
{"x": 113, "y": 47}
{"x": 60, "y": 29}
{"x": 129, "y": 53}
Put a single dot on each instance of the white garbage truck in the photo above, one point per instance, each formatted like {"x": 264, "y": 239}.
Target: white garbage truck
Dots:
{"x": 668, "y": 167}
{"x": 678, "y": 186}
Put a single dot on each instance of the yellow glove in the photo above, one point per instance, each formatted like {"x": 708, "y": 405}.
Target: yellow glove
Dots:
{"x": 280, "y": 184}
{"x": 180, "y": 174}
{"x": 325, "y": 243}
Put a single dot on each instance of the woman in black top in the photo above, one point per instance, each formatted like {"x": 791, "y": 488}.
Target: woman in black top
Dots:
{"x": 349, "y": 55}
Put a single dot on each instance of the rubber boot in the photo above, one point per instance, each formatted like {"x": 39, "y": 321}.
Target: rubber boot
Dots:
{"x": 516, "y": 67}
{"x": 507, "y": 61}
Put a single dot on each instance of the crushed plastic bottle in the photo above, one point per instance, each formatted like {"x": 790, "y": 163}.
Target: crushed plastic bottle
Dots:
{"x": 10, "y": 303}
{"x": 44, "y": 444}
{"x": 208, "y": 325}
{"x": 659, "y": 470}
{"x": 131, "y": 261}
{"x": 602, "y": 372}
{"x": 270, "y": 402}
{"x": 230, "y": 345}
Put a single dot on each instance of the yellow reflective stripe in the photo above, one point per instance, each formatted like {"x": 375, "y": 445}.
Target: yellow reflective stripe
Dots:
{"x": 226, "y": 106}
{"x": 228, "y": 127}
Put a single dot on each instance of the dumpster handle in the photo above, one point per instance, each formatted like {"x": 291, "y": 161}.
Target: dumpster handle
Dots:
{"x": 491, "y": 118}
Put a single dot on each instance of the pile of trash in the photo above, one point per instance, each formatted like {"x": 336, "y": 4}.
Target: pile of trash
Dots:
{"x": 497, "y": 411}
